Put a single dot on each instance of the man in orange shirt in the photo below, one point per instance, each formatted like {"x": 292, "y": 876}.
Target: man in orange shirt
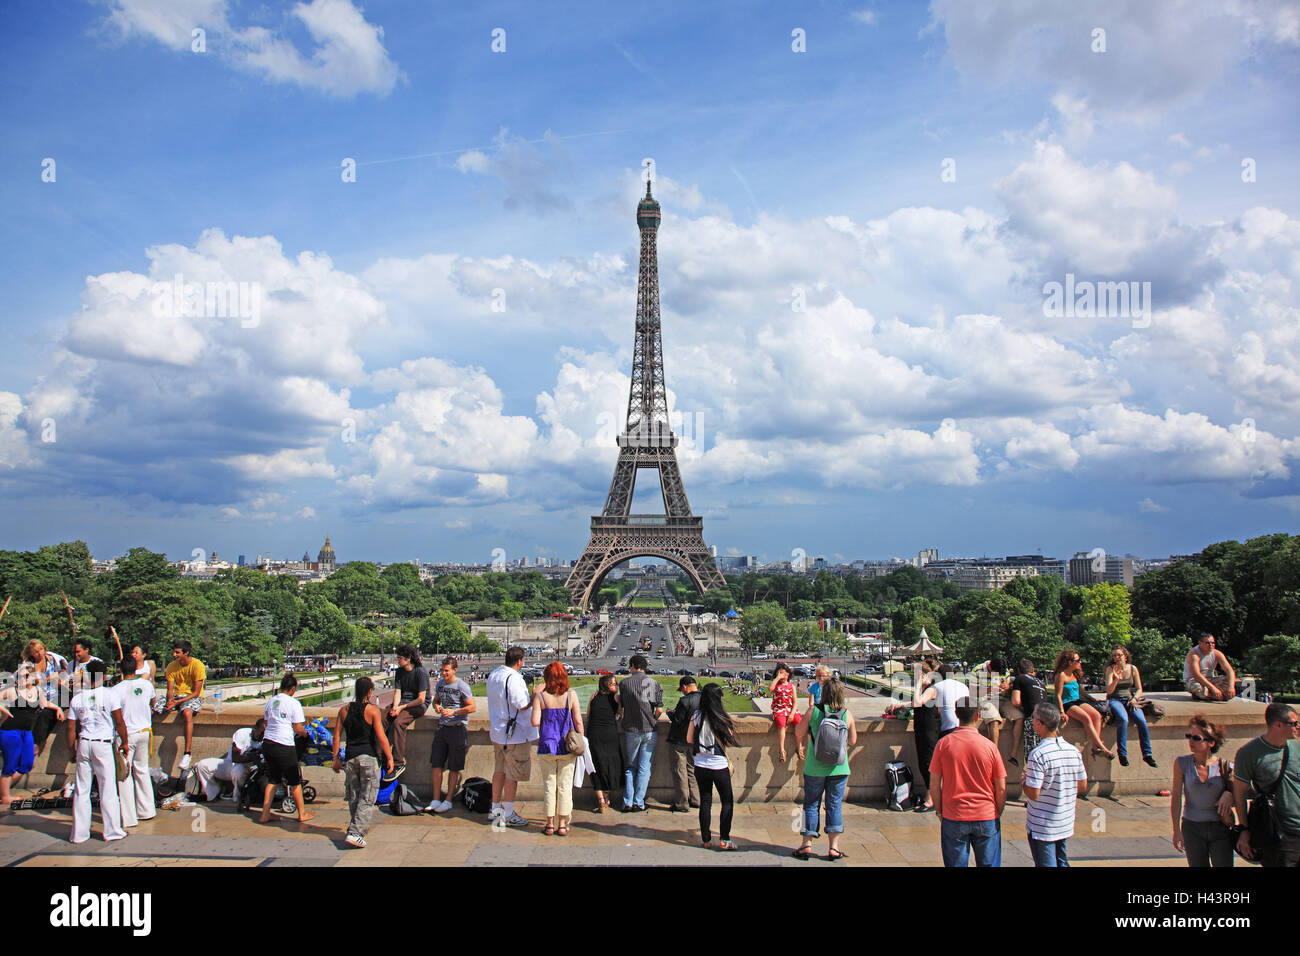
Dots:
{"x": 969, "y": 783}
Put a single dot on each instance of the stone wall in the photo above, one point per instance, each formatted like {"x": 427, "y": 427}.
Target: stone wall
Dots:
{"x": 756, "y": 774}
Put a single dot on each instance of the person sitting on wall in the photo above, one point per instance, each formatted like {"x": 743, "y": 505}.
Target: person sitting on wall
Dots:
{"x": 1201, "y": 672}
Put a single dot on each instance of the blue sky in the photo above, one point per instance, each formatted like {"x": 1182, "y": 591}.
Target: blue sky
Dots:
{"x": 920, "y": 397}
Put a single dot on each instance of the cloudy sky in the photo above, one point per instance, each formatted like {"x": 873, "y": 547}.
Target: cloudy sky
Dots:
{"x": 431, "y": 211}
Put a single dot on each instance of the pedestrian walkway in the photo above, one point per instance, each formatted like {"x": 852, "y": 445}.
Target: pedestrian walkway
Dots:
{"x": 1129, "y": 831}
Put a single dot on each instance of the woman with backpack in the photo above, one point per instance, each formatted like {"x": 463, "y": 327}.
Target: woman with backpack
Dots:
{"x": 556, "y": 712}
{"x": 361, "y": 724}
{"x": 826, "y": 768}
{"x": 710, "y": 733}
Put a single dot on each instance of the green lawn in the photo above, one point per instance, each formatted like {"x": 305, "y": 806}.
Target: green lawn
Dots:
{"x": 586, "y": 688}
{"x": 648, "y": 602}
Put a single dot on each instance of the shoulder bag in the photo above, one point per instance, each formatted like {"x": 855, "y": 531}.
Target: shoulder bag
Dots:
{"x": 1261, "y": 818}
{"x": 573, "y": 739}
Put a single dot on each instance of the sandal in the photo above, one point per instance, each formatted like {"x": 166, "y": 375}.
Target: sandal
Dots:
{"x": 548, "y": 830}
{"x": 836, "y": 855}
{"x": 561, "y": 831}
{"x": 726, "y": 845}
{"x": 803, "y": 853}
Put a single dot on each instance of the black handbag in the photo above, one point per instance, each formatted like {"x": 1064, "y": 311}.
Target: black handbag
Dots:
{"x": 1261, "y": 817}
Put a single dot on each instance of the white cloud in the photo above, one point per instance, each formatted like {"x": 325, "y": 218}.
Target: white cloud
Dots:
{"x": 1149, "y": 507}
{"x": 1075, "y": 115}
{"x": 348, "y": 56}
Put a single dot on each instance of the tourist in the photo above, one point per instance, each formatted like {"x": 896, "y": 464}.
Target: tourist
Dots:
{"x": 556, "y": 713}
{"x": 135, "y": 792}
{"x": 284, "y": 721}
{"x": 360, "y": 724}
{"x": 1201, "y": 674}
{"x": 823, "y": 779}
{"x": 144, "y": 668}
{"x": 1125, "y": 700}
{"x": 1259, "y": 767}
{"x": 81, "y": 656}
{"x": 453, "y": 702}
{"x": 970, "y": 790}
{"x": 948, "y": 691}
{"x": 994, "y": 683}
{"x": 686, "y": 793}
{"x": 236, "y": 765}
{"x": 94, "y": 714}
{"x": 641, "y": 704}
{"x": 926, "y": 724}
{"x": 186, "y": 676}
{"x": 1027, "y": 692}
{"x": 710, "y": 733}
{"x": 1054, "y": 780}
{"x": 821, "y": 674}
{"x": 20, "y": 705}
{"x": 1067, "y": 674}
{"x": 785, "y": 707}
{"x": 605, "y": 740}
{"x": 1203, "y": 828}
{"x": 50, "y": 673}
{"x": 410, "y": 696}
{"x": 508, "y": 696}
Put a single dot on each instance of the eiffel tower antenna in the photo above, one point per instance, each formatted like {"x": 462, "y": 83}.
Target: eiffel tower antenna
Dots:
{"x": 647, "y": 442}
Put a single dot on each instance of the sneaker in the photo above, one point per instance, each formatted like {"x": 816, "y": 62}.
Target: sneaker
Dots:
{"x": 185, "y": 762}
{"x": 443, "y": 807}
{"x": 225, "y": 796}
{"x": 516, "y": 821}
{"x": 432, "y": 807}
{"x": 355, "y": 841}
{"x": 67, "y": 792}
{"x": 390, "y": 777}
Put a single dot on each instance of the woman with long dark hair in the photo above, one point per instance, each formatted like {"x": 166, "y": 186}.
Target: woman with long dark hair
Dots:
{"x": 710, "y": 733}
{"x": 361, "y": 723}
{"x": 925, "y": 724}
{"x": 1069, "y": 699}
{"x": 606, "y": 740}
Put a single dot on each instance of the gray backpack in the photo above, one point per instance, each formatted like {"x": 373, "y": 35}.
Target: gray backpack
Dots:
{"x": 832, "y": 744}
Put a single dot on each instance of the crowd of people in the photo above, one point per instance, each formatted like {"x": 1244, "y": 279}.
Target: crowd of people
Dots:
{"x": 1214, "y": 803}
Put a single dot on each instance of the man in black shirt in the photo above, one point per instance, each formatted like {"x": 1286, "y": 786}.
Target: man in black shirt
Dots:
{"x": 410, "y": 692}
{"x": 684, "y": 785}
{"x": 1027, "y": 692}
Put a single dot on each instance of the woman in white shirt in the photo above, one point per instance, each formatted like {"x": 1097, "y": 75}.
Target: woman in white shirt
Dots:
{"x": 144, "y": 668}
{"x": 710, "y": 733}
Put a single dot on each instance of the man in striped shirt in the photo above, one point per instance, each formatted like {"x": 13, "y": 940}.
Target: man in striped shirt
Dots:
{"x": 1054, "y": 780}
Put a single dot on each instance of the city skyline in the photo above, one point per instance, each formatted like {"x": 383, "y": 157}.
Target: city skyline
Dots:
{"x": 992, "y": 283}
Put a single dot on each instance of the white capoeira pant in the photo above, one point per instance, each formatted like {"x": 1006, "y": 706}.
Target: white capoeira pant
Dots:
{"x": 135, "y": 793}
{"x": 212, "y": 770}
{"x": 96, "y": 757}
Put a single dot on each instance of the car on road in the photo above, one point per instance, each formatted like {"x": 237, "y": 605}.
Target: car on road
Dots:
{"x": 622, "y": 670}
{"x": 683, "y": 672}
{"x": 762, "y": 657}
{"x": 708, "y": 672}
{"x": 602, "y": 672}
{"x": 728, "y": 674}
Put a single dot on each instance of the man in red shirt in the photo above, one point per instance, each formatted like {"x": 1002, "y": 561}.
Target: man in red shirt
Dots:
{"x": 969, "y": 783}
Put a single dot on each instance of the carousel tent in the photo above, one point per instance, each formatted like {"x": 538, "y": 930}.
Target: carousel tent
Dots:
{"x": 923, "y": 646}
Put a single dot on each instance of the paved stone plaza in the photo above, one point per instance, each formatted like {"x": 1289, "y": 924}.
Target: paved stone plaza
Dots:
{"x": 1128, "y": 831}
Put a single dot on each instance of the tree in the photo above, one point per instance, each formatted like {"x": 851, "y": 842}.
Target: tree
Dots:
{"x": 140, "y": 566}
{"x": 156, "y": 614}
{"x": 1003, "y": 627}
{"x": 763, "y": 625}
{"x": 1276, "y": 662}
{"x": 252, "y": 643}
{"x": 512, "y": 611}
{"x": 803, "y": 637}
{"x": 1184, "y": 598}
{"x": 1106, "y": 609}
{"x": 1157, "y": 657}
{"x": 442, "y": 632}
{"x": 324, "y": 626}
{"x": 912, "y": 615}
{"x": 284, "y": 609}
{"x": 408, "y": 594}
{"x": 718, "y": 601}
{"x": 357, "y": 590}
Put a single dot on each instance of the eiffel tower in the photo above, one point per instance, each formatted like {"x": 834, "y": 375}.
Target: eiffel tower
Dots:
{"x": 647, "y": 442}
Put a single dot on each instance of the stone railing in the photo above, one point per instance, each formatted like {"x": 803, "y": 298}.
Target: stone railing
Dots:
{"x": 757, "y": 775}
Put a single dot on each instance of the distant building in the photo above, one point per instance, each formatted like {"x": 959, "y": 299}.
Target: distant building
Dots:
{"x": 1104, "y": 569}
{"x": 326, "y": 558}
{"x": 241, "y": 561}
{"x": 990, "y": 577}
{"x": 927, "y": 556}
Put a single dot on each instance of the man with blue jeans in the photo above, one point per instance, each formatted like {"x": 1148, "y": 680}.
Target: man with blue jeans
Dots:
{"x": 969, "y": 783}
{"x": 1054, "y": 780}
{"x": 642, "y": 701}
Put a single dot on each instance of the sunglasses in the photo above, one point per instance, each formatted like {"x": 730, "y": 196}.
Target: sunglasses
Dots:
{"x": 1198, "y": 738}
